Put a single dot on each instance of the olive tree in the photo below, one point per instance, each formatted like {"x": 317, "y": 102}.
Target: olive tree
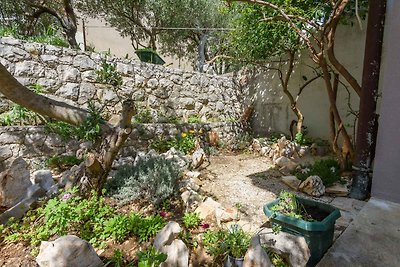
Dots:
{"x": 315, "y": 23}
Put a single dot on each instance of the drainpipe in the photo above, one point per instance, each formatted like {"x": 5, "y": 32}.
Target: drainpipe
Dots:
{"x": 368, "y": 122}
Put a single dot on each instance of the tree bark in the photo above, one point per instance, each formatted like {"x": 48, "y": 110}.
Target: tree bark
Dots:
{"x": 65, "y": 15}
{"x": 45, "y": 106}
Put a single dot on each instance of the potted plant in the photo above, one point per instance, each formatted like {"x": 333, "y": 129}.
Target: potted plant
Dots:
{"x": 229, "y": 245}
{"x": 311, "y": 219}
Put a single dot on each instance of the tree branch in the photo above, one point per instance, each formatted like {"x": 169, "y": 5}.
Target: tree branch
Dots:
{"x": 19, "y": 94}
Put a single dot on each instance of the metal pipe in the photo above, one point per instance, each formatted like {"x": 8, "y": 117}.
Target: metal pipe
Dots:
{"x": 368, "y": 122}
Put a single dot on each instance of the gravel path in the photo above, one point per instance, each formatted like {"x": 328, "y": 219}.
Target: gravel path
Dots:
{"x": 246, "y": 181}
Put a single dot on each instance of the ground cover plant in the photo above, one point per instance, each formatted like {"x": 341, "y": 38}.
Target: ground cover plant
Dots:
{"x": 184, "y": 142}
{"x": 290, "y": 206}
{"x": 154, "y": 179}
{"x": 327, "y": 169}
{"x": 62, "y": 162}
{"x": 89, "y": 218}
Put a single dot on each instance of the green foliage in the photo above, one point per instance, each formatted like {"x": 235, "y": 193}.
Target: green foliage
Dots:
{"x": 91, "y": 219}
{"x": 194, "y": 119}
{"x": 150, "y": 257}
{"x": 276, "y": 259}
{"x": 242, "y": 141}
{"x": 89, "y": 130}
{"x": 144, "y": 116}
{"x": 327, "y": 169}
{"x": 184, "y": 142}
{"x": 302, "y": 139}
{"x": 147, "y": 227}
{"x": 191, "y": 220}
{"x": 117, "y": 260}
{"x": 108, "y": 74}
{"x": 222, "y": 242}
{"x": 19, "y": 115}
{"x": 62, "y": 162}
{"x": 290, "y": 206}
{"x": 60, "y": 216}
{"x": 46, "y": 32}
{"x": 192, "y": 17}
{"x": 154, "y": 179}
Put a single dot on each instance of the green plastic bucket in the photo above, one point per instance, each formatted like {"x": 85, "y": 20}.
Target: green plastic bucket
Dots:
{"x": 318, "y": 235}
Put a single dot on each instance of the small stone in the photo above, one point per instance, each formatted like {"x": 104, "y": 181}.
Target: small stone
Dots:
{"x": 191, "y": 198}
{"x": 198, "y": 158}
{"x": 291, "y": 181}
{"x": 225, "y": 215}
{"x": 312, "y": 186}
{"x": 193, "y": 174}
{"x": 265, "y": 150}
{"x": 69, "y": 251}
{"x": 338, "y": 189}
{"x": 167, "y": 235}
{"x": 206, "y": 210}
{"x": 19, "y": 210}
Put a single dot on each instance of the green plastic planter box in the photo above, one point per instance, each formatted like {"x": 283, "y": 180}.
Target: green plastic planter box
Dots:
{"x": 318, "y": 235}
{"x": 149, "y": 56}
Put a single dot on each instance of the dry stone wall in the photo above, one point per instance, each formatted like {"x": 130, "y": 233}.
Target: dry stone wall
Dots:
{"x": 71, "y": 74}
{"x": 35, "y": 145}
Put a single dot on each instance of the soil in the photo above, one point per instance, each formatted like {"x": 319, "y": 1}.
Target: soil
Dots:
{"x": 244, "y": 181}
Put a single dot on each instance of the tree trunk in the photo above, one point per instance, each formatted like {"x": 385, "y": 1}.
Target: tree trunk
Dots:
{"x": 347, "y": 145}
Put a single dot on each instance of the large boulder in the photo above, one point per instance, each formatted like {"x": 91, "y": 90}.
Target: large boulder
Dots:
{"x": 256, "y": 255}
{"x": 44, "y": 178}
{"x": 178, "y": 254}
{"x": 293, "y": 248}
{"x": 14, "y": 183}
{"x": 167, "y": 235}
{"x": 19, "y": 209}
{"x": 67, "y": 251}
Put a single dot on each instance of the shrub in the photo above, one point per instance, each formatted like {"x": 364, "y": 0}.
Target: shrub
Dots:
{"x": 90, "y": 130}
{"x": 153, "y": 178}
{"x": 108, "y": 74}
{"x": 327, "y": 169}
{"x": 185, "y": 142}
{"x": 62, "y": 162}
{"x": 233, "y": 242}
{"x": 191, "y": 220}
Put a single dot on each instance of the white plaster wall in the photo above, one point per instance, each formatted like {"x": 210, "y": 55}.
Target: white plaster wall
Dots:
{"x": 386, "y": 180}
{"x": 272, "y": 109}
{"x": 103, "y": 38}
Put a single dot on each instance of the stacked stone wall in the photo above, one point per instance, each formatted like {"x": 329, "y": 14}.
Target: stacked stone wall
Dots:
{"x": 71, "y": 75}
